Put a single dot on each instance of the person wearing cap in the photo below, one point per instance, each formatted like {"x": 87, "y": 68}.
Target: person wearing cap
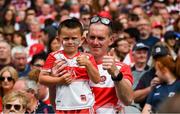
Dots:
{"x": 167, "y": 71}
{"x": 148, "y": 79}
{"x": 140, "y": 55}
{"x": 170, "y": 39}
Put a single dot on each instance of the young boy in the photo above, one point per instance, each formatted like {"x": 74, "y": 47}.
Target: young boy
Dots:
{"x": 73, "y": 94}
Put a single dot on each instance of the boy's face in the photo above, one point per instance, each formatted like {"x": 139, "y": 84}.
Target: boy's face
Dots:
{"x": 70, "y": 39}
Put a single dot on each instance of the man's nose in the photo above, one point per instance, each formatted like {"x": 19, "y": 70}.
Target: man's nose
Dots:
{"x": 96, "y": 41}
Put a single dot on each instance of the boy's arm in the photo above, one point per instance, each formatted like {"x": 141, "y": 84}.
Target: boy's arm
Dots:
{"x": 92, "y": 71}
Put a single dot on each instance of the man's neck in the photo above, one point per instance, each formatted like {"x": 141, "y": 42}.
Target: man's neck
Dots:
{"x": 98, "y": 59}
{"x": 5, "y": 61}
{"x": 140, "y": 66}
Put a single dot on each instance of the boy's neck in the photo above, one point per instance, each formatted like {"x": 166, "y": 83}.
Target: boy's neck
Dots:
{"x": 71, "y": 55}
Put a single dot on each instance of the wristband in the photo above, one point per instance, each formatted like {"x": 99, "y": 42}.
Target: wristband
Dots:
{"x": 119, "y": 77}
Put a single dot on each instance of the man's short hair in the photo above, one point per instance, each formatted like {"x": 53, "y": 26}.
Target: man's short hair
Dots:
{"x": 8, "y": 45}
{"x": 72, "y": 24}
{"x": 18, "y": 49}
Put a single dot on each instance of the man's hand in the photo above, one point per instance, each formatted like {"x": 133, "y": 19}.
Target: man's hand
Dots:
{"x": 58, "y": 68}
{"x": 155, "y": 81}
{"x": 83, "y": 60}
{"x": 109, "y": 64}
{"x": 66, "y": 79}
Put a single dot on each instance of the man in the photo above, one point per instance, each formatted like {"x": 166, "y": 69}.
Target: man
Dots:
{"x": 115, "y": 87}
{"x": 144, "y": 27}
{"x": 140, "y": 55}
{"x": 149, "y": 79}
{"x": 19, "y": 57}
{"x": 5, "y": 52}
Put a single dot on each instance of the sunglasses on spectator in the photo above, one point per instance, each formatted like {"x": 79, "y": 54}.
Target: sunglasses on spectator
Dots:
{"x": 17, "y": 107}
{"x": 103, "y": 20}
{"x": 38, "y": 65}
{"x": 8, "y": 78}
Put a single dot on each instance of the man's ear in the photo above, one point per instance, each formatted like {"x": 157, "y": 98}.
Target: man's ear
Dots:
{"x": 82, "y": 41}
{"x": 111, "y": 40}
{"x": 58, "y": 38}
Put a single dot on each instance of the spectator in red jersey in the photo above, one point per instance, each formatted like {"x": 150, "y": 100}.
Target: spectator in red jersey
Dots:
{"x": 115, "y": 88}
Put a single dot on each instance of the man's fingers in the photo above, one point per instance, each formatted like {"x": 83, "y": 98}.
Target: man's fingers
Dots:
{"x": 111, "y": 52}
{"x": 62, "y": 72}
{"x": 61, "y": 68}
{"x": 107, "y": 64}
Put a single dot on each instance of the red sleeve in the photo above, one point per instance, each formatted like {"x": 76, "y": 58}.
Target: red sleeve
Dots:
{"x": 127, "y": 74}
{"x": 49, "y": 62}
{"x": 91, "y": 58}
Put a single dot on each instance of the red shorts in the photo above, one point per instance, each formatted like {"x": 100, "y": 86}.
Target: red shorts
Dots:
{"x": 81, "y": 111}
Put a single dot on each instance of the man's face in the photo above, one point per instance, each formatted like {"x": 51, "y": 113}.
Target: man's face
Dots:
{"x": 4, "y": 51}
{"x": 144, "y": 28}
{"x": 38, "y": 64}
{"x": 20, "y": 61}
{"x": 98, "y": 39}
{"x": 70, "y": 39}
{"x": 123, "y": 47}
{"x": 85, "y": 19}
{"x": 171, "y": 42}
{"x": 140, "y": 56}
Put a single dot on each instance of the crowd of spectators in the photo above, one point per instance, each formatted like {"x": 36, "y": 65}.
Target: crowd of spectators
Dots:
{"x": 28, "y": 33}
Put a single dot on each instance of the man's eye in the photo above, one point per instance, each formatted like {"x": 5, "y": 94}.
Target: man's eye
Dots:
{"x": 92, "y": 37}
{"x": 101, "y": 38}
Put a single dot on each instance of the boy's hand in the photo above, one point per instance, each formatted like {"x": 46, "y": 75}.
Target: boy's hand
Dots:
{"x": 58, "y": 68}
{"x": 83, "y": 60}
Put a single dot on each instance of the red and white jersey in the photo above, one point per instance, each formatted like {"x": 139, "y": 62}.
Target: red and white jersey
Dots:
{"x": 78, "y": 94}
{"x": 105, "y": 94}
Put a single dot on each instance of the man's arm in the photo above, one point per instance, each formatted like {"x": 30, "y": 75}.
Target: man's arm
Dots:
{"x": 147, "y": 109}
{"x": 123, "y": 87}
{"x": 141, "y": 94}
{"x": 124, "y": 91}
{"x": 92, "y": 71}
{"x": 49, "y": 80}
{"x": 58, "y": 75}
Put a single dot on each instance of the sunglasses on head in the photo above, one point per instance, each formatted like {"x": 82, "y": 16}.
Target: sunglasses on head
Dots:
{"x": 17, "y": 107}
{"x": 103, "y": 20}
{"x": 8, "y": 78}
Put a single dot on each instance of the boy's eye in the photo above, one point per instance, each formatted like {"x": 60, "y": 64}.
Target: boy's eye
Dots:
{"x": 74, "y": 38}
{"x": 66, "y": 38}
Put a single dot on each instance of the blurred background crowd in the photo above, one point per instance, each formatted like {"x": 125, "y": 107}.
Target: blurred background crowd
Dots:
{"x": 28, "y": 33}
